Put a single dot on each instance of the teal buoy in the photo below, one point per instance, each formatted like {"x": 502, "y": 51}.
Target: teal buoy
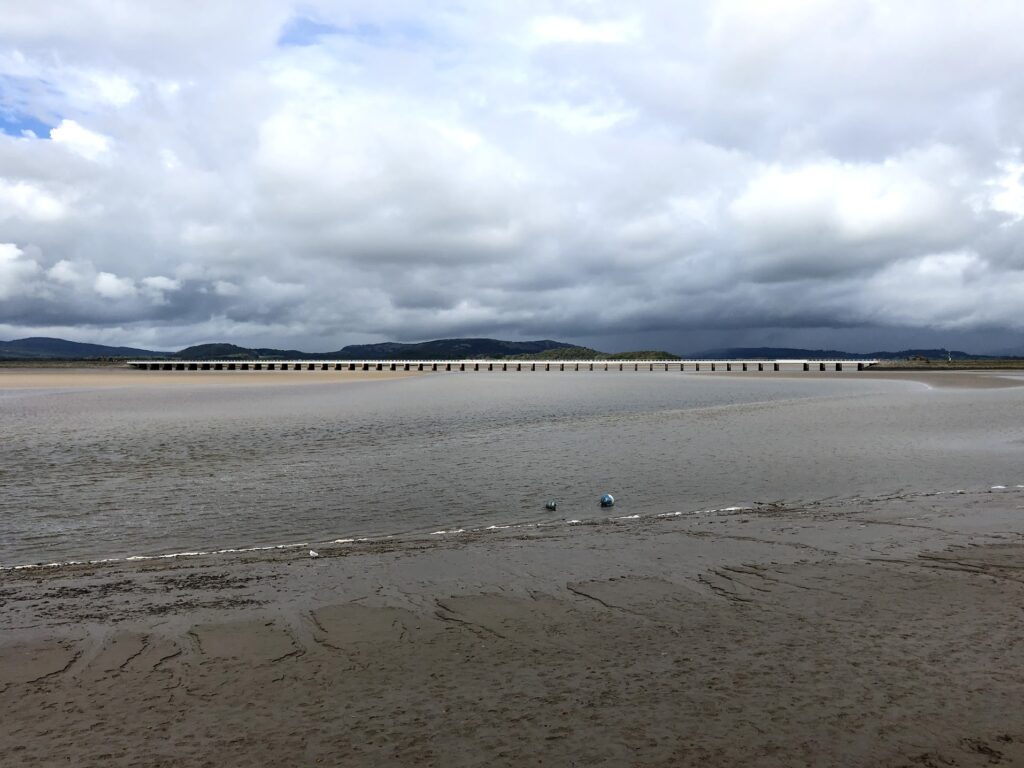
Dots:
{"x": 607, "y": 500}
{"x": 551, "y": 506}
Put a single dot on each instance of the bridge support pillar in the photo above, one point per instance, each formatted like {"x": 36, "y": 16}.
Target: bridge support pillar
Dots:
{"x": 712, "y": 367}
{"x": 821, "y": 366}
{"x": 860, "y": 366}
{"x": 744, "y": 367}
{"x": 839, "y": 366}
{"x": 775, "y": 366}
{"x": 728, "y": 366}
{"x": 807, "y": 366}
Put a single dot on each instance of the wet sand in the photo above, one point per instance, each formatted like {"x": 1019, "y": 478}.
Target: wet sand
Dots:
{"x": 861, "y": 632}
{"x": 104, "y": 378}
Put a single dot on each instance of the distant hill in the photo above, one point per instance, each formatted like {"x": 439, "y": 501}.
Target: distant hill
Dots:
{"x": 45, "y": 348}
{"x": 235, "y": 352}
{"x": 586, "y": 353}
{"x": 782, "y": 353}
{"x": 447, "y": 349}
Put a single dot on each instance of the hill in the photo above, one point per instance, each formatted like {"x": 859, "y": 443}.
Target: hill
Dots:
{"x": 449, "y": 349}
{"x": 46, "y": 348}
{"x": 586, "y": 353}
{"x": 782, "y": 353}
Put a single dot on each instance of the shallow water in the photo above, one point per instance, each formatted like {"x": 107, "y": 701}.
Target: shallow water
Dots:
{"x": 117, "y": 472}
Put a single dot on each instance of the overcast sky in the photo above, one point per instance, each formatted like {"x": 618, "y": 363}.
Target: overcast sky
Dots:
{"x": 648, "y": 174}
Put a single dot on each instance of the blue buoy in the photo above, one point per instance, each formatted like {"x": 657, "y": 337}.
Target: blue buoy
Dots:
{"x": 607, "y": 500}
{"x": 551, "y": 505}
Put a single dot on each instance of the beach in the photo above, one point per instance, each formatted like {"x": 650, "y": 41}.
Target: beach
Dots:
{"x": 798, "y": 571}
{"x": 106, "y": 377}
{"x": 865, "y": 632}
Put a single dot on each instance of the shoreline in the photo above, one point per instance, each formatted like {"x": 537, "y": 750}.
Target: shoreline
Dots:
{"x": 861, "y": 631}
{"x": 106, "y": 377}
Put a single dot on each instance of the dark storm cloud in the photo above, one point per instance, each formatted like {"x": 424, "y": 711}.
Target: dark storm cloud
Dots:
{"x": 317, "y": 174}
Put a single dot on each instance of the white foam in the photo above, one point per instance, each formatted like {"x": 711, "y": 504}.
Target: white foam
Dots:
{"x": 998, "y": 488}
{"x": 627, "y": 517}
{"x": 573, "y": 522}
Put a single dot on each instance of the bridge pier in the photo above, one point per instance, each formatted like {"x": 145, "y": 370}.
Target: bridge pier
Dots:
{"x": 496, "y": 365}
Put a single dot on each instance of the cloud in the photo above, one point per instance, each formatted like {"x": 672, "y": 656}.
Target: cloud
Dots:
{"x": 81, "y": 141}
{"x": 312, "y": 174}
{"x": 566, "y": 29}
{"x": 110, "y": 286}
{"x": 24, "y": 200}
{"x": 16, "y": 271}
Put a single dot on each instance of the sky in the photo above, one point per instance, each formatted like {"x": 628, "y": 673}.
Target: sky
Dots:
{"x": 653, "y": 174}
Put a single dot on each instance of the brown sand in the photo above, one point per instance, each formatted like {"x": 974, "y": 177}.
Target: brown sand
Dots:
{"x": 967, "y": 379}
{"x": 870, "y": 632}
{"x": 89, "y": 378}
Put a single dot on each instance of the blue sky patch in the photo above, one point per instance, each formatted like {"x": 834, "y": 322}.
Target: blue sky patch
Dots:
{"x": 301, "y": 31}
{"x": 14, "y": 124}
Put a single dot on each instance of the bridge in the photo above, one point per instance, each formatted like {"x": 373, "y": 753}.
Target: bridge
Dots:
{"x": 696, "y": 366}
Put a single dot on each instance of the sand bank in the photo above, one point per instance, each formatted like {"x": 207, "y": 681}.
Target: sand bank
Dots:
{"x": 865, "y": 632}
{"x": 105, "y": 378}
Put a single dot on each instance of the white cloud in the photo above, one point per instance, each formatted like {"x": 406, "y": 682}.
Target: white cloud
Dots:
{"x": 22, "y": 199}
{"x": 67, "y": 273}
{"x": 567, "y": 29}
{"x": 17, "y": 272}
{"x": 110, "y": 286}
{"x": 80, "y": 140}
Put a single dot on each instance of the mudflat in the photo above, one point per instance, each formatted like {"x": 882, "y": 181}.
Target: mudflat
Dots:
{"x": 871, "y": 631}
{"x": 108, "y": 377}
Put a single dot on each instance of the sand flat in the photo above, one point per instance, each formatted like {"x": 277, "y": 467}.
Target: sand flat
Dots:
{"x": 105, "y": 378}
{"x": 865, "y": 632}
